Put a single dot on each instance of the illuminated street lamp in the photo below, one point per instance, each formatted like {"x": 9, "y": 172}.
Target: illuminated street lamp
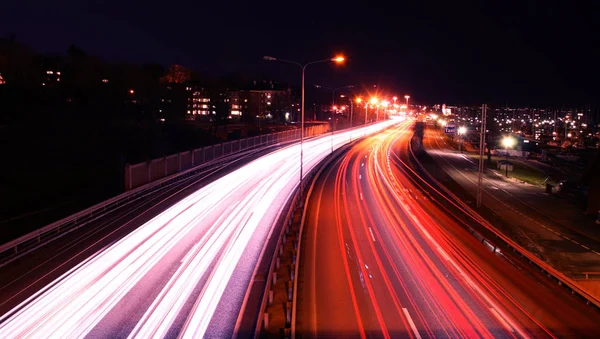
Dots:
{"x": 337, "y": 59}
{"x": 507, "y": 142}
{"x": 462, "y": 130}
{"x": 375, "y": 102}
{"x": 395, "y": 98}
{"x": 385, "y": 105}
{"x": 359, "y": 100}
{"x": 407, "y": 97}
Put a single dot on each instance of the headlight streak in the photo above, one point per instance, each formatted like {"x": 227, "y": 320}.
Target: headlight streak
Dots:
{"x": 74, "y": 304}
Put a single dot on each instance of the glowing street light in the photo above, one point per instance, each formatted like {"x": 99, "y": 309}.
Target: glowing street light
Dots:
{"x": 360, "y": 100}
{"x": 338, "y": 59}
{"x": 461, "y": 131}
{"x": 508, "y": 141}
{"x": 407, "y": 97}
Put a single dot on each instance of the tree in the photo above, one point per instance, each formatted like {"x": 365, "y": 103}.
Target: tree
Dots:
{"x": 177, "y": 74}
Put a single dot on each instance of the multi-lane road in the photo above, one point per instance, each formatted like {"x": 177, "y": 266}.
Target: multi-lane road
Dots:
{"x": 184, "y": 272}
{"x": 384, "y": 254}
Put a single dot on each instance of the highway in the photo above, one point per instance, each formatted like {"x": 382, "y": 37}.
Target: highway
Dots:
{"x": 184, "y": 272}
{"x": 538, "y": 221}
{"x": 384, "y": 255}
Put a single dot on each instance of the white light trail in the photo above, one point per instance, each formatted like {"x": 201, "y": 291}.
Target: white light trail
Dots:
{"x": 203, "y": 236}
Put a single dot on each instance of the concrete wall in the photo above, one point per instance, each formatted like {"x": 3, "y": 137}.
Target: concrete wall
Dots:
{"x": 145, "y": 172}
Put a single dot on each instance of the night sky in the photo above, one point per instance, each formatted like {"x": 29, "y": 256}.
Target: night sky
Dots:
{"x": 516, "y": 53}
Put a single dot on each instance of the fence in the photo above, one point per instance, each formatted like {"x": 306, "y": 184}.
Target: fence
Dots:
{"x": 142, "y": 173}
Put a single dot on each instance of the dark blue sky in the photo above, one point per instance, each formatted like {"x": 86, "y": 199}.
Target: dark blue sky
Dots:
{"x": 522, "y": 52}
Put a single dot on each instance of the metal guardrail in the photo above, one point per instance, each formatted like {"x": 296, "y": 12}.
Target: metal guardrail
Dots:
{"x": 33, "y": 240}
{"x": 299, "y": 201}
{"x": 543, "y": 266}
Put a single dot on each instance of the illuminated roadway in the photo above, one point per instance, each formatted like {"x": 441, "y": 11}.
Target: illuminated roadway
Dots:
{"x": 384, "y": 255}
{"x": 183, "y": 273}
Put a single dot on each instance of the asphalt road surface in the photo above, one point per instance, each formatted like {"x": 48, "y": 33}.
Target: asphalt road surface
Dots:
{"x": 183, "y": 273}
{"x": 384, "y": 255}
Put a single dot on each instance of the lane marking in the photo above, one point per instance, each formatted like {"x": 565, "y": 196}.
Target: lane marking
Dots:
{"x": 360, "y": 176}
{"x": 361, "y": 197}
{"x": 501, "y": 319}
{"x": 411, "y": 323}
{"x": 372, "y": 235}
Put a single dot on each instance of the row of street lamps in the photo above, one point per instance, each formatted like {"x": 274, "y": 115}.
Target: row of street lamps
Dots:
{"x": 338, "y": 59}
{"x": 508, "y": 142}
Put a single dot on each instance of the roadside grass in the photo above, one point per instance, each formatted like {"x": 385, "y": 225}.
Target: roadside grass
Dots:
{"x": 520, "y": 171}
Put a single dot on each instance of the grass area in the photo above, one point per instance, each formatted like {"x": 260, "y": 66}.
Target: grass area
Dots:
{"x": 520, "y": 171}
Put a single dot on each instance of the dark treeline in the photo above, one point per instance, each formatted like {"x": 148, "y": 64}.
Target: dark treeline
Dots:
{"x": 69, "y": 123}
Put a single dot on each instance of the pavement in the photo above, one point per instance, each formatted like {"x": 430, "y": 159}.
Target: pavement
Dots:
{"x": 384, "y": 255}
{"x": 184, "y": 272}
{"x": 550, "y": 227}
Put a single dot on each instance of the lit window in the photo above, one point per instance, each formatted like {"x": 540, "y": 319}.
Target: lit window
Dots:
{"x": 236, "y": 113}
{"x": 189, "y": 112}
{"x": 57, "y": 73}
{"x": 49, "y": 72}
{"x": 57, "y": 79}
{"x": 105, "y": 81}
{"x": 204, "y": 106}
{"x": 245, "y": 100}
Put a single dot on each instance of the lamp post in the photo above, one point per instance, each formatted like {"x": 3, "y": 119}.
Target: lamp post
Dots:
{"x": 385, "y": 105}
{"x": 333, "y": 89}
{"x": 461, "y": 131}
{"x": 338, "y": 59}
{"x": 407, "y": 97}
{"x": 507, "y": 142}
{"x": 359, "y": 100}
{"x": 375, "y": 102}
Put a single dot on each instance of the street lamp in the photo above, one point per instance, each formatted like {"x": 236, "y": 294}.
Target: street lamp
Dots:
{"x": 333, "y": 89}
{"x": 375, "y": 102}
{"x": 337, "y": 59}
{"x": 359, "y": 100}
{"x": 385, "y": 105}
{"x": 507, "y": 142}
{"x": 351, "y": 110}
{"x": 407, "y": 97}
{"x": 461, "y": 131}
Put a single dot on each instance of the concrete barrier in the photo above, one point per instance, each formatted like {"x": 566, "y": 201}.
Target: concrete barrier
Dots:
{"x": 142, "y": 173}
